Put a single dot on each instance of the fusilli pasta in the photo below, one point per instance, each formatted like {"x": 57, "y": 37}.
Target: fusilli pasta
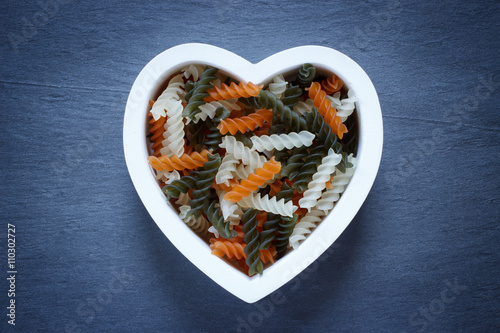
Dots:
{"x": 270, "y": 205}
{"x": 193, "y": 71}
{"x": 233, "y": 91}
{"x": 174, "y": 90}
{"x": 305, "y": 226}
{"x": 241, "y": 152}
{"x": 252, "y": 241}
{"x": 250, "y": 122}
{"x": 319, "y": 179}
{"x": 282, "y": 141}
{"x": 247, "y": 186}
{"x": 278, "y": 86}
{"x": 339, "y": 183}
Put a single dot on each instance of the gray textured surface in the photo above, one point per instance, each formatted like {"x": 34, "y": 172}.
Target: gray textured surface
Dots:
{"x": 91, "y": 258}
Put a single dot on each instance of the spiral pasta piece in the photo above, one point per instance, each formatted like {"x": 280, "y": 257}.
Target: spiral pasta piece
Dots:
{"x": 339, "y": 183}
{"x": 278, "y": 86}
{"x": 306, "y": 225}
{"x": 293, "y": 163}
{"x": 231, "y": 211}
{"x": 282, "y": 141}
{"x": 319, "y": 179}
{"x": 185, "y": 161}
{"x": 285, "y": 230}
{"x": 195, "y": 134}
{"x": 250, "y": 122}
{"x": 183, "y": 199}
{"x": 174, "y": 90}
{"x": 208, "y": 109}
{"x": 270, "y": 205}
{"x": 326, "y": 110}
{"x": 233, "y": 91}
{"x": 345, "y": 107}
{"x": 292, "y": 95}
{"x": 195, "y": 97}
{"x": 167, "y": 177}
{"x": 193, "y": 71}
{"x": 240, "y": 151}
{"x": 157, "y": 128}
{"x": 213, "y": 138}
{"x": 332, "y": 84}
{"x": 229, "y": 249}
{"x": 247, "y": 186}
{"x": 174, "y": 130}
{"x": 269, "y": 229}
{"x": 226, "y": 169}
{"x": 179, "y": 186}
{"x": 309, "y": 167}
{"x": 199, "y": 225}
{"x": 252, "y": 242}
{"x": 306, "y": 75}
{"x": 204, "y": 182}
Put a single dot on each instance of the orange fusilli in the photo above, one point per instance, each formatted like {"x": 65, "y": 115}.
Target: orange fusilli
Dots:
{"x": 250, "y": 122}
{"x": 233, "y": 91}
{"x": 185, "y": 161}
{"x": 254, "y": 180}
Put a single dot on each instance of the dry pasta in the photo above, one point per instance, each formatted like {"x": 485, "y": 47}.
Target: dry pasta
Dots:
{"x": 253, "y": 169}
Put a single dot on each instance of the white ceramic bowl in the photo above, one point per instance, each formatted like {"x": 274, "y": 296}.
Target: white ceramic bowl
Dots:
{"x": 147, "y": 86}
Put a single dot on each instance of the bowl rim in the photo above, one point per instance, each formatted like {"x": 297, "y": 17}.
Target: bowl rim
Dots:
{"x": 370, "y": 143}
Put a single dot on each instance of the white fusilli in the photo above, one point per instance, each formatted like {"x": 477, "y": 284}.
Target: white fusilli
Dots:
{"x": 230, "y": 210}
{"x": 319, "y": 179}
{"x": 208, "y": 109}
{"x": 241, "y": 152}
{"x": 339, "y": 182}
{"x": 199, "y": 225}
{"x": 226, "y": 169}
{"x": 282, "y": 141}
{"x": 214, "y": 231}
{"x": 174, "y": 130}
{"x": 345, "y": 107}
{"x": 193, "y": 71}
{"x": 174, "y": 91}
{"x": 303, "y": 107}
{"x": 269, "y": 205}
{"x": 278, "y": 86}
{"x": 306, "y": 225}
{"x": 183, "y": 199}
{"x": 167, "y": 177}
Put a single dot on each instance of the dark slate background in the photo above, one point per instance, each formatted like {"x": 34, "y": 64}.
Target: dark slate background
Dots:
{"x": 422, "y": 254}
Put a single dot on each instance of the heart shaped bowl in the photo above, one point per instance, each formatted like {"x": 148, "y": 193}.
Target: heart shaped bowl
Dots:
{"x": 149, "y": 84}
